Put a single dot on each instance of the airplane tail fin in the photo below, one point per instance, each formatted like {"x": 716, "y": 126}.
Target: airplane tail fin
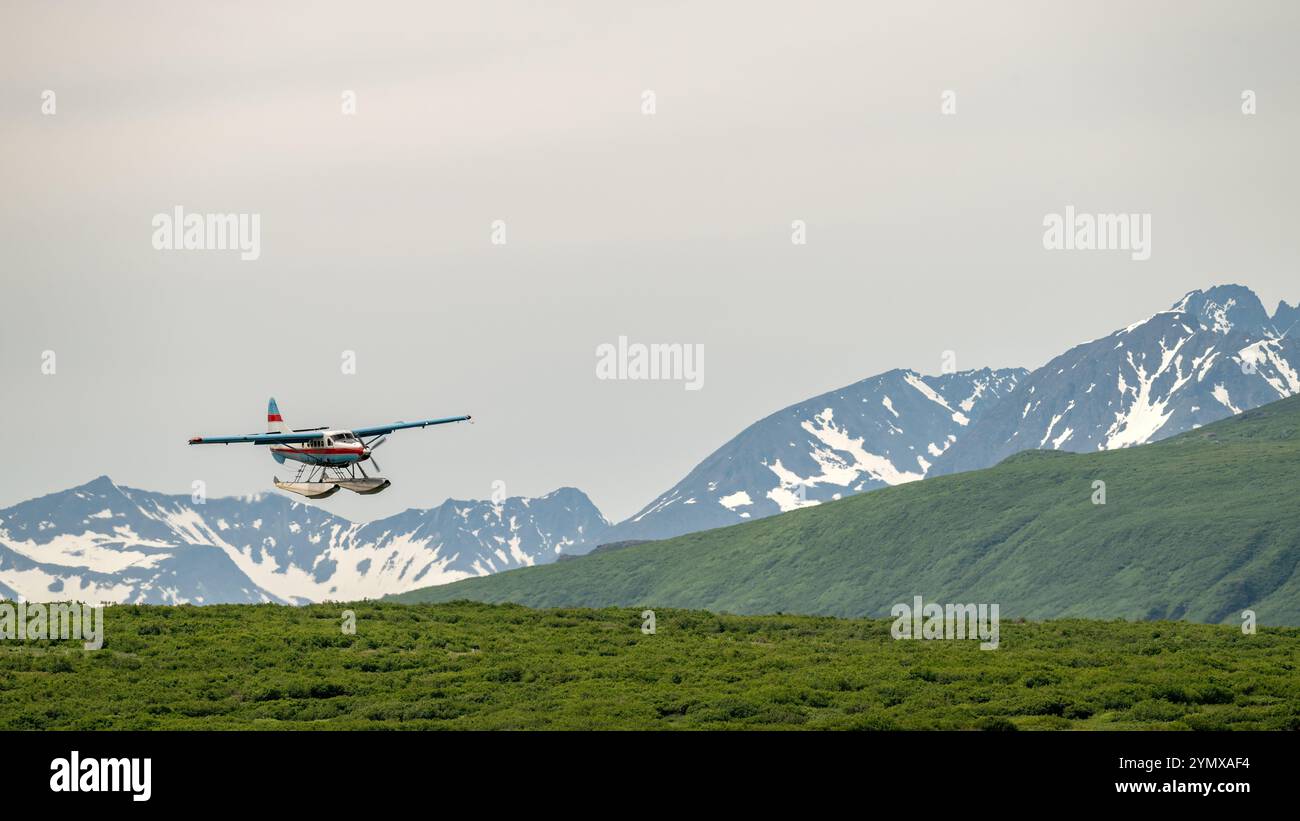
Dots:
{"x": 274, "y": 422}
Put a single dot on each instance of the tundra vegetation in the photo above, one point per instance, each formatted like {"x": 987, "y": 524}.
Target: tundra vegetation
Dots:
{"x": 465, "y": 665}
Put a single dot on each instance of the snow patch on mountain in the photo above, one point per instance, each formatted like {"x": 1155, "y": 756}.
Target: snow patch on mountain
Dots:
{"x": 738, "y": 499}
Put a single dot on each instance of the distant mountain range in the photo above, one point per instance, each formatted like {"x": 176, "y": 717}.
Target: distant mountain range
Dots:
{"x": 1201, "y": 526}
{"x": 102, "y": 542}
{"x": 1213, "y": 353}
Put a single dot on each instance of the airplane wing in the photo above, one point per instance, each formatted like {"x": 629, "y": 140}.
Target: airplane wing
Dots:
{"x": 257, "y": 438}
{"x": 379, "y": 430}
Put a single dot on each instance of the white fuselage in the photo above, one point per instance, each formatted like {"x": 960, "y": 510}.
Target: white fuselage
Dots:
{"x": 332, "y": 447}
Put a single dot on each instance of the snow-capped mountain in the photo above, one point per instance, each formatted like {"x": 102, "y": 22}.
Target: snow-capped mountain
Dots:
{"x": 885, "y": 430}
{"x": 1212, "y": 354}
{"x": 101, "y": 542}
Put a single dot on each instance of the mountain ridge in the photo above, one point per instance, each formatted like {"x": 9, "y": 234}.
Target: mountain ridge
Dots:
{"x": 880, "y": 431}
{"x": 1152, "y": 379}
{"x": 104, "y": 542}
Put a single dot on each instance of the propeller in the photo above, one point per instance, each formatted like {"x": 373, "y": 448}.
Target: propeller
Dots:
{"x": 375, "y": 447}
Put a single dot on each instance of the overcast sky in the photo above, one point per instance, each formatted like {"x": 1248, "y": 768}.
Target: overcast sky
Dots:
{"x": 924, "y": 230}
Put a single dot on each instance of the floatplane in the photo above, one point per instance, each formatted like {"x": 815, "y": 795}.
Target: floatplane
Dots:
{"x": 330, "y": 457}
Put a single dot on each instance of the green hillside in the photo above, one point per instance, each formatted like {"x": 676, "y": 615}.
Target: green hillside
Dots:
{"x": 477, "y": 666}
{"x": 1197, "y": 527}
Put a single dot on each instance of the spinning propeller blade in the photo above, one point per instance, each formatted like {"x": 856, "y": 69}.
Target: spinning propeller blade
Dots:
{"x": 374, "y": 448}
